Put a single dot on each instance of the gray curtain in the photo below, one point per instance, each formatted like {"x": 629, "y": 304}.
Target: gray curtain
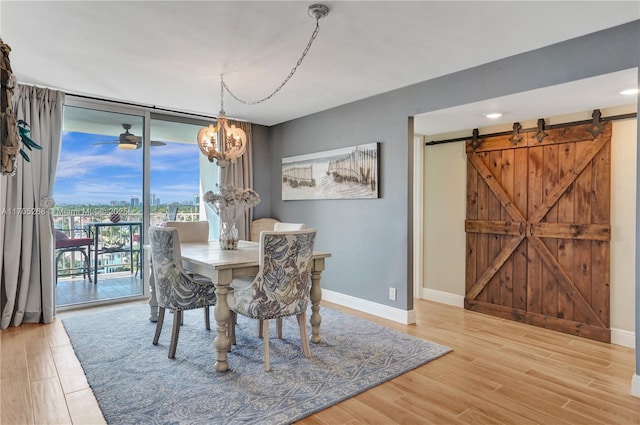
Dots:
{"x": 28, "y": 272}
{"x": 240, "y": 174}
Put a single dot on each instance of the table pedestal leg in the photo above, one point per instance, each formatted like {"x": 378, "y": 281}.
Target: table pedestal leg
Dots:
{"x": 316, "y": 296}
{"x": 221, "y": 313}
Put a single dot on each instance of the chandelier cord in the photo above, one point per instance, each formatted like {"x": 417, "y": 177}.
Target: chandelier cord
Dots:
{"x": 224, "y": 86}
{"x": 221, "y": 96}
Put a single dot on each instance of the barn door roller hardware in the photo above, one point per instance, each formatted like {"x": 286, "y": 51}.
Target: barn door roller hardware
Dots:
{"x": 597, "y": 127}
{"x": 515, "y": 134}
{"x": 540, "y": 134}
{"x": 475, "y": 142}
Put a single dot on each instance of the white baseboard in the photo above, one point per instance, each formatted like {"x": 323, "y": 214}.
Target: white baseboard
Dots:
{"x": 635, "y": 386}
{"x": 618, "y": 336}
{"x": 443, "y": 297}
{"x": 624, "y": 338}
{"x": 397, "y": 315}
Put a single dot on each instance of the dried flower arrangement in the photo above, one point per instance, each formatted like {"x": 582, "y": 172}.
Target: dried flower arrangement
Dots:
{"x": 230, "y": 202}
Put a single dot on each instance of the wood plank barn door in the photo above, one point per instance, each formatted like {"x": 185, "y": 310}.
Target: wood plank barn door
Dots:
{"x": 538, "y": 228}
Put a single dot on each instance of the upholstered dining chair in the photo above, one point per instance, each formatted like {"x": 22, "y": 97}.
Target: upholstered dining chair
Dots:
{"x": 175, "y": 289}
{"x": 191, "y": 231}
{"x": 280, "y": 226}
{"x": 281, "y": 287}
{"x": 288, "y": 226}
{"x": 261, "y": 224}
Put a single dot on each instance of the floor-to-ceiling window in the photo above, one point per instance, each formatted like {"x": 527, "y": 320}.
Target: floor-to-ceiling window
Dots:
{"x": 178, "y": 175}
{"x": 121, "y": 169}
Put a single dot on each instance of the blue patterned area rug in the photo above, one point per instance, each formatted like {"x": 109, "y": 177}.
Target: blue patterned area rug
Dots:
{"x": 135, "y": 383}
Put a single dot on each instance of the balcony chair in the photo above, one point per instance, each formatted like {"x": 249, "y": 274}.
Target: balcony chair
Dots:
{"x": 175, "y": 289}
{"x": 281, "y": 287}
{"x": 172, "y": 213}
{"x": 66, "y": 244}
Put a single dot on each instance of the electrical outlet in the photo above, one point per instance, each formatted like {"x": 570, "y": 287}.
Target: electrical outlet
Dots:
{"x": 392, "y": 294}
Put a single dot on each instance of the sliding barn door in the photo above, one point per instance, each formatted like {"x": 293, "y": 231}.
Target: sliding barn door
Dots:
{"x": 538, "y": 228}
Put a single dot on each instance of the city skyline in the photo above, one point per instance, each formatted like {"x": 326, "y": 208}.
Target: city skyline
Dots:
{"x": 99, "y": 174}
{"x": 135, "y": 202}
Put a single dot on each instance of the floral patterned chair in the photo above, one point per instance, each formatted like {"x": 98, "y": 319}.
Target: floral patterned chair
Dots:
{"x": 281, "y": 287}
{"x": 191, "y": 231}
{"x": 175, "y": 289}
{"x": 279, "y": 227}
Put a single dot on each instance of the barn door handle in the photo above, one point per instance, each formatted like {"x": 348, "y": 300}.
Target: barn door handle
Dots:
{"x": 520, "y": 228}
{"x": 531, "y": 229}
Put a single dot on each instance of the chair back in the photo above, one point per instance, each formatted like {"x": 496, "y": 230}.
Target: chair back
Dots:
{"x": 174, "y": 288}
{"x": 289, "y": 226}
{"x": 195, "y": 231}
{"x": 261, "y": 224}
{"x": 172, "y": 212}
{"x": 282, "y": 285}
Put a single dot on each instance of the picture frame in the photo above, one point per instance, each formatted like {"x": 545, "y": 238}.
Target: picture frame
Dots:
{"x": 346, "y": 173}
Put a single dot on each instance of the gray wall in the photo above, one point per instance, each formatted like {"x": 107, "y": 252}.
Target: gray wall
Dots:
{"x": 366, "y": 237}
{"x": 370, "y": 239}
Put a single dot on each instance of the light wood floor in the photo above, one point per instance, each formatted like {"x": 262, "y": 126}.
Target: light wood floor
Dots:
{"x": 500, "y": 372}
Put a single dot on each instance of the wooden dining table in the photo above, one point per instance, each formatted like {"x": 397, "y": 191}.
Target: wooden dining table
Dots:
{"x": 222, "y": 267}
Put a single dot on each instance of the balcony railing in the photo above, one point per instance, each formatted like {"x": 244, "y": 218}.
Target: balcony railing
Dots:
{"x": 74, "y": 222}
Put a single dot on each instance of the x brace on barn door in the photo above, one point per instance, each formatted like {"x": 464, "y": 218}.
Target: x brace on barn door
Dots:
{"x": 518, "y": 228}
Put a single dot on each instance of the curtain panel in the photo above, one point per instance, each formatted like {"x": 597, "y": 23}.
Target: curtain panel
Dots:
{"x": 28, "y": 271}
{"x": 240, "y": 174}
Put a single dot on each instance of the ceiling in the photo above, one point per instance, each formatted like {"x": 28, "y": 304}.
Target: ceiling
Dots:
{"x": 581, "y": 96}
{"x": 169, "y": 54}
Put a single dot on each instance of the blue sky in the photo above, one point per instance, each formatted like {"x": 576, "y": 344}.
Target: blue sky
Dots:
{"x": 98, "y": 174}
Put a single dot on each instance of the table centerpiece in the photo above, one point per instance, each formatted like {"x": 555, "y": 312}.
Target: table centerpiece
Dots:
{"x": 230, "y": 203}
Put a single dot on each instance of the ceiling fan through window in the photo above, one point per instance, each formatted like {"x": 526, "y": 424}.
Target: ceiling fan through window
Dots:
{"x": 129, "y": 140}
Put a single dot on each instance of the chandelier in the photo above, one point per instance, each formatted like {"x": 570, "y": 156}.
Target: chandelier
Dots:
{"x": 225, "y": 142}
{"x": 222, "y": 142}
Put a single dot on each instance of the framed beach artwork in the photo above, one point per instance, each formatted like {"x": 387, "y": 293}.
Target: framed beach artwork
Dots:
{"x": 346, "y": 173}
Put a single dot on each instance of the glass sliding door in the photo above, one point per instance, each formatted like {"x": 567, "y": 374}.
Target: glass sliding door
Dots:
{"x": 121, "y": 169}
{"x": 98, "y": 192}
